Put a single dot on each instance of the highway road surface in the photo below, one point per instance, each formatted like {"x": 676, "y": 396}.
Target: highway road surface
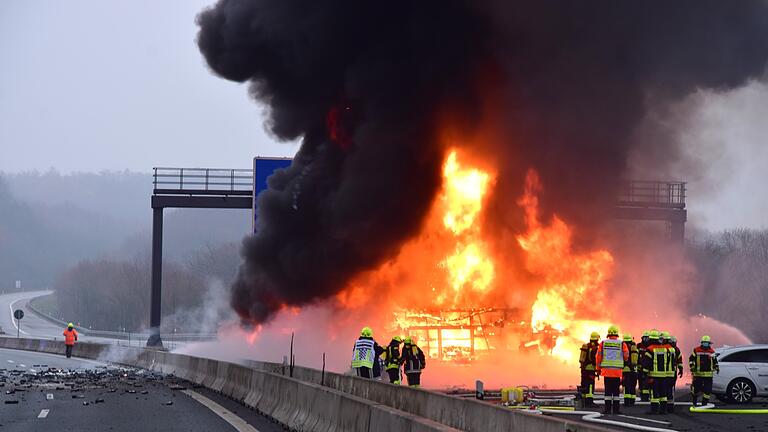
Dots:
{"x": 33, "y": 326}
{"x": 684, "y": 421}
{"x": 45, "y": 392}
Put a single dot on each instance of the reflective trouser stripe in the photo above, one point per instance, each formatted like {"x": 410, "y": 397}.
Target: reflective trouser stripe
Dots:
{"x": 629, "y": 396}
{"x": 589, "y": 392}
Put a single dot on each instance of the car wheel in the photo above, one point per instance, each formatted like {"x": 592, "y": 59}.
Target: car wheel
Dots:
{"x": 741, "y": 391}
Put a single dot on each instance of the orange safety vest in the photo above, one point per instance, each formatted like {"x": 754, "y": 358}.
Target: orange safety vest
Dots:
{"x": 70, "y": 336}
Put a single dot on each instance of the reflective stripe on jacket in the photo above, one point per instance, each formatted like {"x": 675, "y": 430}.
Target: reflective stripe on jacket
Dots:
{"x": 392, "y": 356}
{"x": 413, "y": 359}
{"x": 363, "y": 353}
{"x": 610, "y": 357}
{"x": 657, "y": 362}
{"x": 703, "y": 362}
{"x": 631, "y": 363}
{"x": 587, "y": 356}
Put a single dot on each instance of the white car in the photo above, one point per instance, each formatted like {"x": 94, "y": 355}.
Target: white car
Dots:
{"x": 743, "y": 373}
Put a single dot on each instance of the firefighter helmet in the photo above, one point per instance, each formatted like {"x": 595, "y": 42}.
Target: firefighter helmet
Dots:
{"x": 70, "y": 325}
{"x": 408, "y": 340}
{"x": 653, "y": 334}
{"x": 627, "y": 337}
{"x": 397, "y": 339}
{"x": 594, "y": 336}
{"x": 366, "y": 332}
{"x": 706, "y": 339}
{"x": 613, "y": 331}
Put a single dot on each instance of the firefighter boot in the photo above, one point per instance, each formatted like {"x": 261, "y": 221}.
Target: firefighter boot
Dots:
{"x": 704, "y": 400}
{"x": 694, "y": 400}
{"x": 670, "y": 407}
{"x": 616, "y": 405}
{"x": 608, "y": 405}
{"x": 663, "y": 407}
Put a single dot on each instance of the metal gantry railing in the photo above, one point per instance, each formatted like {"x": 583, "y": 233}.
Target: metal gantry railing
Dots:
{"x": 202, "y": 181}
{"x": 652, "y": 194}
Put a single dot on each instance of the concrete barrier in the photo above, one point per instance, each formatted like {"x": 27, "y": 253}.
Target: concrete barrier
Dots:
{"x": 344, "y": 403}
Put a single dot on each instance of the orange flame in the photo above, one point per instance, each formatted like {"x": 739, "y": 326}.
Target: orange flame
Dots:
{"x": 571, "y": 283}
{"x": 469, "y": 265}
{"x": 446, "y": 286}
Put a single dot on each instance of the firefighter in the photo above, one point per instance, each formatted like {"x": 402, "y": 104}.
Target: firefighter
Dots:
{"x": 677, "y": 372}
{"x": 629, "y": 376}
{"x": 70, "y": 337}
{"x": 587, "y": 364}
{"x": 656, "y": 363}
{"x": 645, "y": 392}
{"x": 703, "y": 363}
{"x": 392, "y": 360}
{"x": 365, "y": 353}
{"x": 610, "y": 358}
{"x": 414, "y": 362}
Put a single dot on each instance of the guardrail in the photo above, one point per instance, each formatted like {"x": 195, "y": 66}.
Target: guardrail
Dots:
{"x": 653, "y": 194}
{"x": 202, "y": 181}
{"x": 139, "y": 337}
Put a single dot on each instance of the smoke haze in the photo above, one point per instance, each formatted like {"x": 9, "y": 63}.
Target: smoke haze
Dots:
{"x": 372, "y": 89}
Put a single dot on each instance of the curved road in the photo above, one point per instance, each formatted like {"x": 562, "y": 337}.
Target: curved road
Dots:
{"x": 33, "y": 326}
{"x": 103, "y": 397}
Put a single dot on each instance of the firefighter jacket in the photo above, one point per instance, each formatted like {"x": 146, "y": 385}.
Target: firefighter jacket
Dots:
{"x": 365, "y": 352}
{"x": 630, "y": 365}
{"x": 641, "y": 348}
{"x": 392, "y": 355}
{"x": 413, "y": 359}
{"x": 610, "y": 358}
{"x": 657, "y": 361}
{"x": 678, "y": 360}
{"x": 70, "y": 336}
{"x": 703, "y": 362}
{"x": 587, "y": 356}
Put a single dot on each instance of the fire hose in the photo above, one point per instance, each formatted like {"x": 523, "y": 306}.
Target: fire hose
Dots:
{"x": 596, "y": 417}
{"x": 710, "y": 408}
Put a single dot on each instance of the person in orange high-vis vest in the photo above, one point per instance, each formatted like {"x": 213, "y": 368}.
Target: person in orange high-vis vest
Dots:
{"x": 611, "y": 355}
{"x": 70, "y": 337}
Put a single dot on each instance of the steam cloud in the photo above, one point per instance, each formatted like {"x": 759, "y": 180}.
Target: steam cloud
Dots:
{"x": 366, "y": 85}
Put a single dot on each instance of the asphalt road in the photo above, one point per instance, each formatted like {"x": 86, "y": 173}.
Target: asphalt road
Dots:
{"x": 53, "y": 393}
{"x": 685, "y": 421}
{"x": 33, "y": 326}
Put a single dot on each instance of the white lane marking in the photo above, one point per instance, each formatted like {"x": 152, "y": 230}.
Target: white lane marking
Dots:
{"x": 43, "y": 413}
{"x": 13, "y": 320}
{"x": 49, "y": 396}
{"x": 239, "y": 424}
{"x": 11, "y": 361}
{"x": 32, "y": 370}
{"x": 22, "y": 365}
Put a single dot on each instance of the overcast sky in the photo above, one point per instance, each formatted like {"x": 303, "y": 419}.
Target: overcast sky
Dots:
{"x": 92, "y": 85}
{"x": 96, "y": 85}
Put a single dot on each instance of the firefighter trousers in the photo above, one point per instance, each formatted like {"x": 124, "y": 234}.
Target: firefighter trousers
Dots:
{"x": 629, "y": 380}
{"x": 658, "y": 395}
{"x": 414, "y": 378}
{"x": 394, "y": 375}
{"x": 703, "y": 386}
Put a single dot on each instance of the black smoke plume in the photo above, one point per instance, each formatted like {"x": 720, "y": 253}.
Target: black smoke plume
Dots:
{"x": 365, "y": 85}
